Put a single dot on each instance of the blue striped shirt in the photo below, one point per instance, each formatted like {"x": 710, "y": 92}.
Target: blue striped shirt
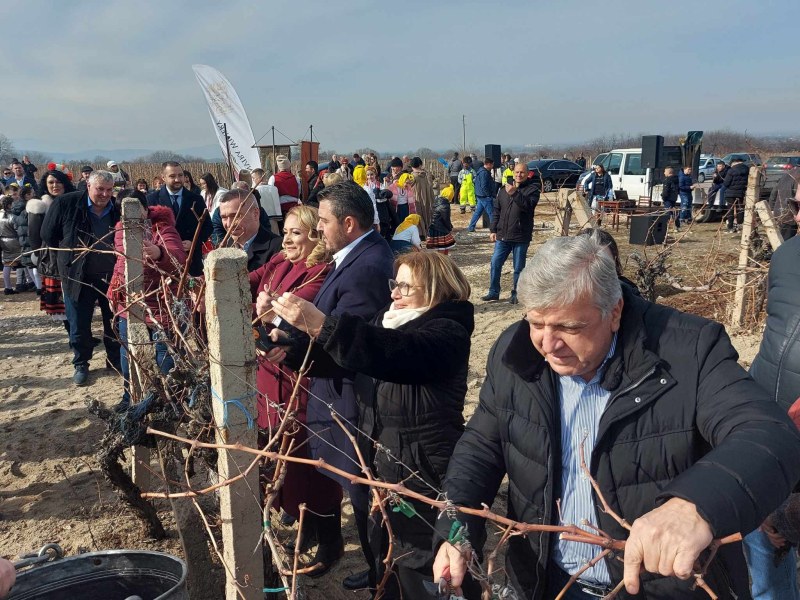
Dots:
{"x": 581, "y": 404}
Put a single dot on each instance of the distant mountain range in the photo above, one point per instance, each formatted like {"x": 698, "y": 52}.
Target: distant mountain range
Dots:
{"x": 208, "y": 152}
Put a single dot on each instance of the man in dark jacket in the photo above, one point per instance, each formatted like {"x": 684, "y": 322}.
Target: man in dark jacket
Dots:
{"x": 190, "y": 212}
{"x": 239, "y": 214}
{"x": 453, "y": 169}
{"x": 75, "y": 221}
{"x": 484, "y": 192}
{"x": 358, "y": 285}
{"x": 685, "y": 189}
{"x": 681, "y": 442}
{"x": 776, "y": 368}
{"x": 735, "y": 184}
{"x": 669, "y": 194}
{"x": 21, "y": 177}
{"x": 512, "y": 228}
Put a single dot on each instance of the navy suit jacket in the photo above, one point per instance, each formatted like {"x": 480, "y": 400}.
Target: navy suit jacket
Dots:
{"x": 359, "y": 286}
{"x": 186, "y": 222}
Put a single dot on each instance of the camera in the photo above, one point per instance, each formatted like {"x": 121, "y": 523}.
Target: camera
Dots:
{"x": 510, "y": 179}
{"x": 264, "y": 342}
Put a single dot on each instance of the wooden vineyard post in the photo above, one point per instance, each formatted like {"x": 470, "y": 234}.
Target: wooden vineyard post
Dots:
{"x": 773, "y": 233}
{"x": 231, "y": 349}
{"x": 140, "y": 350}
{"x": 563, "y": 213}
{"x": 750, "y": 200}
{"x": 570, "y": 203}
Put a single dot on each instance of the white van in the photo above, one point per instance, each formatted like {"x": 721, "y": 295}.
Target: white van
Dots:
{"x": 625, "y": 167}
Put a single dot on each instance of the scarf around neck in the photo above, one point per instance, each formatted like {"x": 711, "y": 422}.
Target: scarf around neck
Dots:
{"x": 396, "y": 317}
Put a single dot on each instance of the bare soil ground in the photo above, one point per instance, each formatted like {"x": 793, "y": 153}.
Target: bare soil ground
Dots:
{"x": 50, "y": 486}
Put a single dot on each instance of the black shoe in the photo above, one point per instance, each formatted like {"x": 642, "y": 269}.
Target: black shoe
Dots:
{"x": 490, "y": 297}
{"x": 326, "y": 557}
{"x": 9, "y": 291}
{"x": 81, "y": 375}
{"x": 513, "y": 298}
{"x": 463, "y": 211}
{"x": 356, "y": 581}
{"x": 38, "y": 291}
{"x": 307, "y": 541}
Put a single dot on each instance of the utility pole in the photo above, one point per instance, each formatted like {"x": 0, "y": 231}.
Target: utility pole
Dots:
{"x": 464, "y": 130}
{"x": 311, "y": 127}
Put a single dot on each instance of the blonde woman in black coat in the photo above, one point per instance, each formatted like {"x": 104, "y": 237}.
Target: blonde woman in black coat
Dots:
{"x": 412, "y": 362}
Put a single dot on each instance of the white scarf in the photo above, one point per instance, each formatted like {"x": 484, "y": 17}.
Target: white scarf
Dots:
{"x": 395, "y": 317}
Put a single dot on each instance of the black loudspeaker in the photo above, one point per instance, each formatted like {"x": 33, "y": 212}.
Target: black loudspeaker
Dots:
{"x": 651, "y": 151}
{"x": 647, "y": 230}
{"x": 493, "y": 152}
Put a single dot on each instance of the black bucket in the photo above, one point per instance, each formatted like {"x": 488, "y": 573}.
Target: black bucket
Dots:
{"x": 111, "y": 575}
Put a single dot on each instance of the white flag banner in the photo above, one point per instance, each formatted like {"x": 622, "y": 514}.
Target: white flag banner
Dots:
{"x": 227, "y": 113}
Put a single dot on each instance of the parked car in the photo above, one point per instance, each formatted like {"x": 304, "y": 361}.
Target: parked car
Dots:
{"x": 555, "y": 173}
{"x": 748, "y": 158}
{"x": 708, "y": 164}
{"x": 774, "y": 169}
{"x": 782, "y": 163}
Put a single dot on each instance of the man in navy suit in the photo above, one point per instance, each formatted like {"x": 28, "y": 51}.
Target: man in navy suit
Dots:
{"x": 189, "y": 210}
{"x": 357, "y": 286}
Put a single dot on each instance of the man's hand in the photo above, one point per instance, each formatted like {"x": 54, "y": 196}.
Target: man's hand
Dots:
{"x": 666, "y": 540}
{"x": 511, "y": 188}
{"x": 151, "y": 251}
{"x": 187, "y": 245}
{"x": 300, "y": 313}
{"x": 8, "y": 575}
{"x": 775, "y": 538}
{"x": 492, "y": 237}
{"x": 451, "y": 564}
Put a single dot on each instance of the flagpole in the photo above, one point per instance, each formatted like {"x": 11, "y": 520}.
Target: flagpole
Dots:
{"x": 228, "y": 151}
{"x": 274, "y": 159}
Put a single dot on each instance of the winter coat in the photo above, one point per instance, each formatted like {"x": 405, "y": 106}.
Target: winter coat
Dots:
{"x": 454, "y": 168}
{"x": 170, "y": 263}
{"x": 512, "y": 217}
{"x": 67, "y": 225}
{"x": 315, "y": 184}
{"x": 275, "y": 382}
{"x": 591, "y": 187}
{"x": 669, "y": 191}
{"x": 21, "y": 223}
{"x": 36, "y": 210}
{"x": 736, "y": 181}
{"x": 776, "y": 367}
{"x": 683, "y": 420}
{"x": 684, "y": 184}
{"x": 287, "y": 185}
{"x": 485, "y": 186}
{"x": 719, "y": 176}
{"x": 440, "y": 224}
{"x": 424, "y": 198}
{"x": 417, "y": 383}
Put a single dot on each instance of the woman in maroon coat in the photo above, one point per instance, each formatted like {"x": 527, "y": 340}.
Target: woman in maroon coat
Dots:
{"x": 163, "y": 254}
{"x": 300, "y": 268}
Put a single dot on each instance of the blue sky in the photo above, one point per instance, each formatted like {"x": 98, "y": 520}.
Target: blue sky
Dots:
{"x": 399, "y": 75}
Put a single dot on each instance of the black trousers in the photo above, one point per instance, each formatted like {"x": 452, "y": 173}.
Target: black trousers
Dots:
{"x": 79, "y": 314}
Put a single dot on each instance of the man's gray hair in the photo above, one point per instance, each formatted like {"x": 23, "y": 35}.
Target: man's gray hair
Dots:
{"x": 565, "y": 270}
{"x": 100, "y": 176}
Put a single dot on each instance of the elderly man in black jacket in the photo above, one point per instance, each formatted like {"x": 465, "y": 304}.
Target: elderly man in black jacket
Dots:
{"x": 682, "y": 443}
{"x": 735, "y": 185}
{"x": 75, "y": 222}
{"x": 512, "y": 228}
{"x": 189, "y": 209}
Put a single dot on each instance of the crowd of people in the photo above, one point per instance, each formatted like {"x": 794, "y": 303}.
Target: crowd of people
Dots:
{"x": 352, "y": 262}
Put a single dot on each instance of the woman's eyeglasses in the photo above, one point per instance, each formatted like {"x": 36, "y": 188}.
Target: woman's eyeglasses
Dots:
{"x": 405, "y": 288}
